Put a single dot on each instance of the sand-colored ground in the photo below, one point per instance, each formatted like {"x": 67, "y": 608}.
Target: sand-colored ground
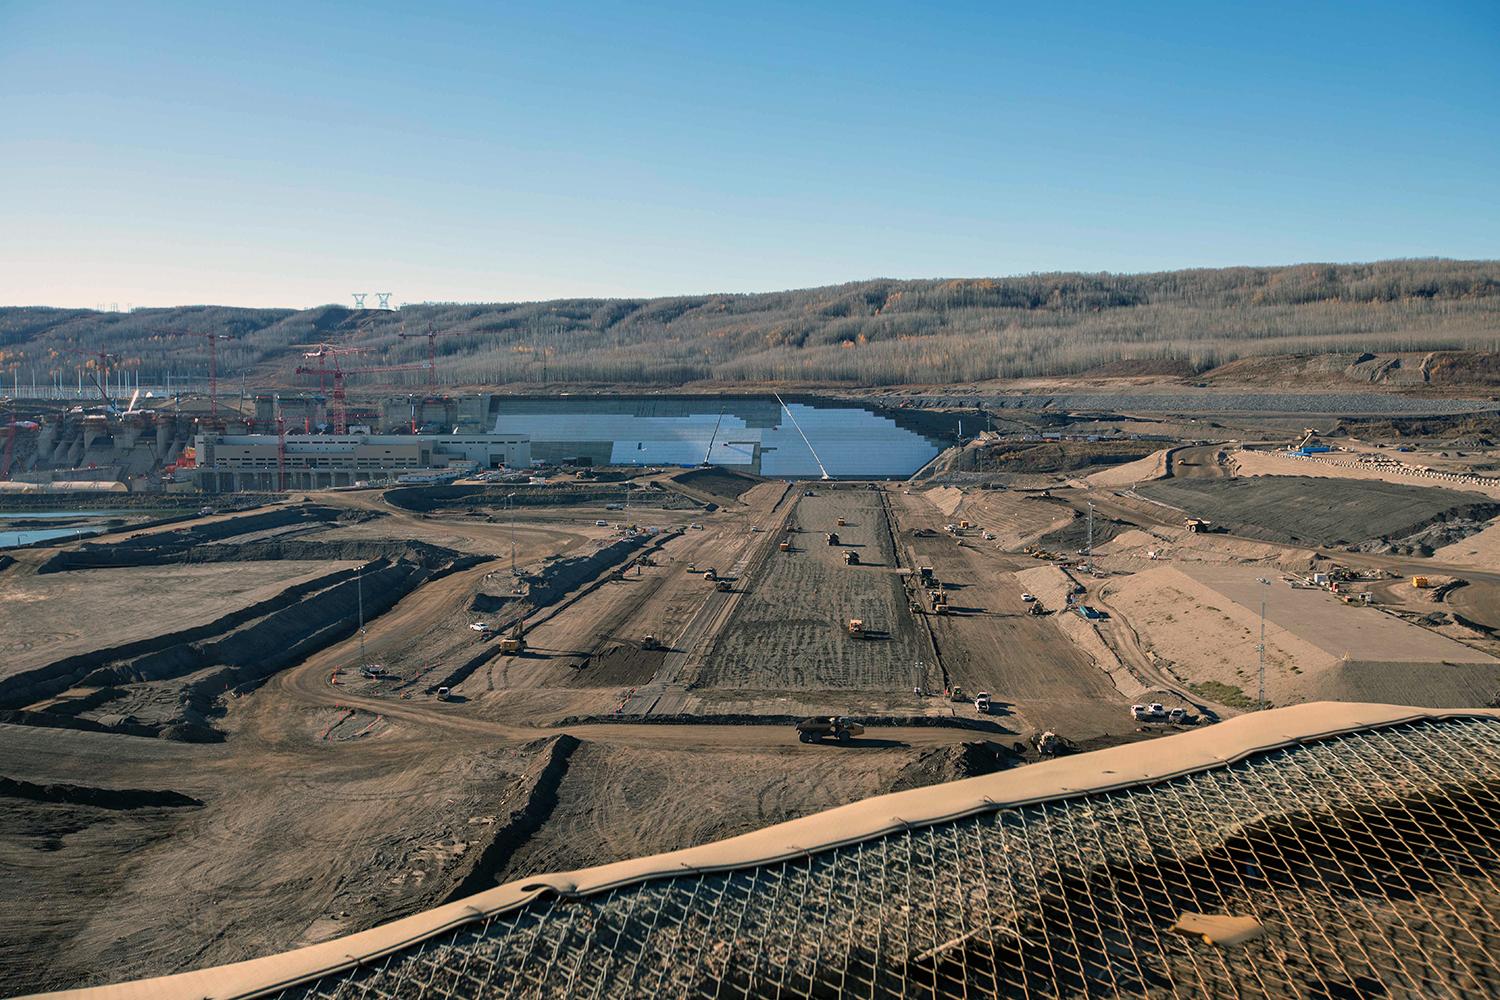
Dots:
{"x": 1341, "y": 466}
{"x": 1153, "y": 466}
{"x": 945, "y": 498}
{"x": 1132, "y": 550}
{"x": 1202, "y": 622}
{"x": 1481, "y": 550}
{"x": 1354, "y": 633}
{"x": 1048, "y": 584}
{"x": 1015, "y": 519}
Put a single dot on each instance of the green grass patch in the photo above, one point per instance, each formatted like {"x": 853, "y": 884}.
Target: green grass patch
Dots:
{"x": 1224, "y": 694}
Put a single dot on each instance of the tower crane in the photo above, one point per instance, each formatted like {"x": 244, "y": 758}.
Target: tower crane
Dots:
{"x": 432, "y": 336}
{"x": 334, "y": 369}
{"x": 213, "y": 370}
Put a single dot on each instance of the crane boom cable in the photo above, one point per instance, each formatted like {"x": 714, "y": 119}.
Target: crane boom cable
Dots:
{"x": 805, "y": 441}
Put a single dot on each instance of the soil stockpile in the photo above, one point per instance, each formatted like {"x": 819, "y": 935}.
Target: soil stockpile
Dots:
{"x": 1303, "y": 510}
{"x": 723, "y": 483}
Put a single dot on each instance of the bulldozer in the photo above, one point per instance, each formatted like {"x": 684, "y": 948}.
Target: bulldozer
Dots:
{"x": 651, "y": 642}
{"x": 722, "y": 586}
{"x": 856, "y": 628}
{"x": 833, "y": 538}
{"x": 851, "y": 558}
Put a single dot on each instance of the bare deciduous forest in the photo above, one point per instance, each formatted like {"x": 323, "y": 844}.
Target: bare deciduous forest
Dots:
{"x": 879, "y": 332}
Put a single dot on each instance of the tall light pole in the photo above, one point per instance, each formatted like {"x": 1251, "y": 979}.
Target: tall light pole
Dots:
{"x": 1260, "y": 647}
{"x": 1089, "y": 550}
{"x": 510, "y": 501}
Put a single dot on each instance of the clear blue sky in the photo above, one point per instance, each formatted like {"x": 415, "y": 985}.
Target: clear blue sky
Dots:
{"x": 289, "y": 154}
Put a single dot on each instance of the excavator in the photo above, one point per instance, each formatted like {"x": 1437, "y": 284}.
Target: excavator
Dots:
{"x": 515, "y": 643}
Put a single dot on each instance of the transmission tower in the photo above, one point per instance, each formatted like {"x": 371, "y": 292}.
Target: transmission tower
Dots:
{"x": 359, "y": 299}
{"x": 384, "y": 300}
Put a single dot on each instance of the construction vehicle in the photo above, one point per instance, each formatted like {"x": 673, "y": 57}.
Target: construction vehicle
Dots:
{"x": 925, "y": 572}
{"x": 1049, "y": 744}
{"x": 444, "y": 694}
{"x": 851, "y": 558}
{"x": 982, "y": 703}
{"x": 957, "y": 694}
{"x": 722, "y": 586}
{"x": 833, "y": 538}
{"x": 784, "y": 547}
{"x": 1421, "y": 582}
{"x": 651, "y": 642}
{"x": 514, "y": 643}
{"x": 841, "y": 522}
{"x": 822, "y": 727}
{"x": 856, "y": 628}
{"x": 710, "y": 575}
{"x": 1035, "y": 608}
{"x": 1149, "y": 713}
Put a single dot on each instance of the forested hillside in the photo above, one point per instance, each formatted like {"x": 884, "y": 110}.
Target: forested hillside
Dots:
{"x": 879, "y": 332}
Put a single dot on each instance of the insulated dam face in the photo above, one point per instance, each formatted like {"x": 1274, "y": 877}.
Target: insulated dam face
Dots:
{"x": 754, "y": 435}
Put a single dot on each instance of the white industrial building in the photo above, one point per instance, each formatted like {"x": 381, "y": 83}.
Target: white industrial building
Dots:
{"x": 231, "y": 462}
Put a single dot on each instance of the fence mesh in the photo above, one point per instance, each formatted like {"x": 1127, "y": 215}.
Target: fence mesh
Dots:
{"x": 1370, "y": 860}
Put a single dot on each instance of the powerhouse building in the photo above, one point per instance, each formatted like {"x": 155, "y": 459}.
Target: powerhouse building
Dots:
{"x": 257, "y": 462}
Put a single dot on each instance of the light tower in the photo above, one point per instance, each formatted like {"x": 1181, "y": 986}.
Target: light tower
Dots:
{"x": 1260, "y": 647}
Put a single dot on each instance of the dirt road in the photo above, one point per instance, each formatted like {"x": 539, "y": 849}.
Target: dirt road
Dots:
{"x": 989, "y": 641}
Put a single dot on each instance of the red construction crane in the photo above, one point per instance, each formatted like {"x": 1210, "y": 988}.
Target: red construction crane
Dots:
{"x": 333, "y": 352}
{"x": 280, "y": 452}
{"x": 432, "y": 336}
{"x": 213, "y": 370}
{"x": 338, "y": 374}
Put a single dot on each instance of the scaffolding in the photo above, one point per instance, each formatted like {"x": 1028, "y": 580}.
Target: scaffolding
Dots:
{"x": 1368, "y": 862}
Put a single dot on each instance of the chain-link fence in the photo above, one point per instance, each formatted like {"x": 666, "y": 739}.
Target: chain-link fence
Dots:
{"x": 1370, "y": 861}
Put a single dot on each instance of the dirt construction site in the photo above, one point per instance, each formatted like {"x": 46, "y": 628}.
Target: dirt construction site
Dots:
{"x": 240, "y": 732}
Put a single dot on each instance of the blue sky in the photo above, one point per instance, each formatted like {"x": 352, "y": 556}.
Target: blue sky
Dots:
{"x": 289, "y": 154}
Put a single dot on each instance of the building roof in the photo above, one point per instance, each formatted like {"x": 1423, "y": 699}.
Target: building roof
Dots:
{"x": 1326, "y": 849}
